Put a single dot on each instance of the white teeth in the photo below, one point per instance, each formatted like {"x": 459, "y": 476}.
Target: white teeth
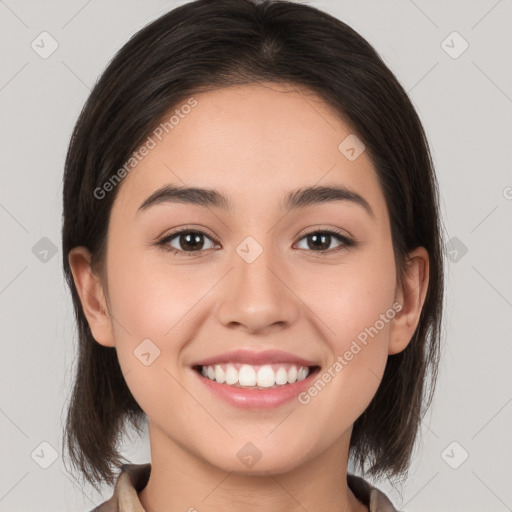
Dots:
{"x": 281, "y": 376}
{"x": 292, "y": 374}
{"x": 220, "y": 375}
{"x": 231, "y": 375}
{"x": 246, "y": 375}
{"x": 266, "y": 377}
{"x": 303, "y": 373}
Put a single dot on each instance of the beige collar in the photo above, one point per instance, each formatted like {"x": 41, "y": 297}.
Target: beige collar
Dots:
{"x": 134, "y": 477}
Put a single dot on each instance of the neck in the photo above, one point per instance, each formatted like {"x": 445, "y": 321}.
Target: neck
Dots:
{"x": 181, "y": 481}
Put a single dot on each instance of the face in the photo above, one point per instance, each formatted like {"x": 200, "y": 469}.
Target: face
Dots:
{"x": 315, "y": 280}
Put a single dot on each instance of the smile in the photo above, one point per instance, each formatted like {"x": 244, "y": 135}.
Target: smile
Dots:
{"x": 252, "y": 387}
{"x": 255, "y": 376}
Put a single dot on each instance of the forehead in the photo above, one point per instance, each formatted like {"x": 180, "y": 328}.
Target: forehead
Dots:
{"x": 252, "y": 142}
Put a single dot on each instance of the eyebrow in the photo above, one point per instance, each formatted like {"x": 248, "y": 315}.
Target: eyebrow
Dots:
{"x": 300, "y": 198}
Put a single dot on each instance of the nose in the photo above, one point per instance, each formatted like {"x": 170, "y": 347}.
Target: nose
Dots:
{"x": 257, "y": 297}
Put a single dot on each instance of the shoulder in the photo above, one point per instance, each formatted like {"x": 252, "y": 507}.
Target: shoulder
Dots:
{"x": 372, "y": 497}
{"x": 130, "y": 481}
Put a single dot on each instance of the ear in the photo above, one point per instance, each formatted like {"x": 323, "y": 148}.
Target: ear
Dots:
{"x": 92, "y": 296}
{"x": 411, "y": 297}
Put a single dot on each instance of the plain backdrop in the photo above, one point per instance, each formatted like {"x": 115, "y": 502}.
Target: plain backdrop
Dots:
{"x": 453, "y": 58}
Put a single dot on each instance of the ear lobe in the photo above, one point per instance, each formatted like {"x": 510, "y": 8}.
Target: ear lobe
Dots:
{"x": 411, "y": 296}
{"x": 92, "y": 296}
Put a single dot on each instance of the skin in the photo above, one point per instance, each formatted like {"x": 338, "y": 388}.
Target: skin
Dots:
{"x": 253, "y": 143}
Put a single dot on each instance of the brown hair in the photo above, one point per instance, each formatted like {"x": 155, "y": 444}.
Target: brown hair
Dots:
{"x": 206, "y": 45}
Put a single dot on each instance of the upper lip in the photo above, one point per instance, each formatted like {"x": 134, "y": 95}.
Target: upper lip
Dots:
{"x": 255, "y": 358}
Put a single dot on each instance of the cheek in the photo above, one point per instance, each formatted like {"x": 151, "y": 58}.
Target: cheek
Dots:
{"x": 150, "y": 298}
{"x": 154, "y": 300}
{"x": 150, "y": 305}
{"x": 355, "y": 307}
{"x": 350, "y": 298}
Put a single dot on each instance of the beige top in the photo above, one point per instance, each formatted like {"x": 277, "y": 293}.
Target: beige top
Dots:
{"x": 134, "y": 477}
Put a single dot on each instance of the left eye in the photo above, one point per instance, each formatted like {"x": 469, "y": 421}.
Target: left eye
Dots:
{"x": 322, "y": 240}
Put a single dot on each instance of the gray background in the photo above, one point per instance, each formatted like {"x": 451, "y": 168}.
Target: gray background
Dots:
{"x": 465, "y": 103}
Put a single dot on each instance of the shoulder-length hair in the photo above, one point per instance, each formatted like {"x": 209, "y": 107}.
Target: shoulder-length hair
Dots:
{"x": 206, "y": 45}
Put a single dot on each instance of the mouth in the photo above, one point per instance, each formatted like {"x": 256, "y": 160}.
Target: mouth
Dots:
{"x": 255, "y": 380}
{"x": 256, "y": 377}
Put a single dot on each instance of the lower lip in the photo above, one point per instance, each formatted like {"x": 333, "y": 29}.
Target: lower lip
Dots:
{"x": 246, "y": 398}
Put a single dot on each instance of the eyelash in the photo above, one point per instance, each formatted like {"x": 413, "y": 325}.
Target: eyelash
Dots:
{"x": 347, "y": 242}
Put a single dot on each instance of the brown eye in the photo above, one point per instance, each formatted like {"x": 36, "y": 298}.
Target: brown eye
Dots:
{"x": 187, "y": 241}
{"x": 320, "y": 241}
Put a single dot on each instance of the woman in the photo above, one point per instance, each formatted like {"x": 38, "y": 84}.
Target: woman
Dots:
{"x": 252, "y": 242}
